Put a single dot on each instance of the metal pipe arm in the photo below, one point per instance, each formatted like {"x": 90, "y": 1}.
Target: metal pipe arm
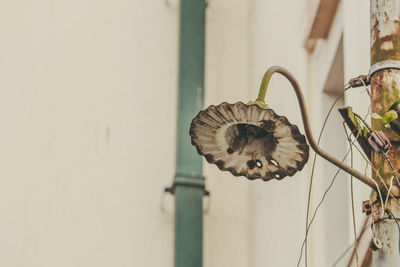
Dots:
{"x": 306, "y": 123}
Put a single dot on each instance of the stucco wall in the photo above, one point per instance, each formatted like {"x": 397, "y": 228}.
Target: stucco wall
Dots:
{"x": 88, "y": 95}
{"x": 88, "y": 115}
{"x": 226, "y": 225}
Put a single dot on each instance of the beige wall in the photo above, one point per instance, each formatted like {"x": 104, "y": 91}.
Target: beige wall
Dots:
{"x": 277, "y": 207}
{"x": 226, "y": 225}
{"x": 88, "y": 111}
{"x": 88, "y": 94}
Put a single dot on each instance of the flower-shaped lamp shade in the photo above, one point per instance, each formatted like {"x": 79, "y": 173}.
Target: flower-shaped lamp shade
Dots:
{"x": 249, "y": 140}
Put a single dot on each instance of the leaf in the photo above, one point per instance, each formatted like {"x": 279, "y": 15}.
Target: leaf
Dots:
{"x": 397, "y": 101}
{"x": 375, "y": 116}
{"x": 365, "y": 132}
{"x": 390, "y": 115}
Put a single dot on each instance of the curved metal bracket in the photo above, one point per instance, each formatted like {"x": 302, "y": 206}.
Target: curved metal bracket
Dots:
{"x": 383, "y": 65}
{"x": 306, "y": 123}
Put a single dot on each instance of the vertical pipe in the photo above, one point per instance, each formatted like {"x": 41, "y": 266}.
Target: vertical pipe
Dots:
{"x": 385, "y": 86}
{"x": 189, "y": 181}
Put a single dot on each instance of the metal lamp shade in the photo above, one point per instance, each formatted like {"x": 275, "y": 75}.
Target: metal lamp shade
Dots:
{"x": 249, "y": 140}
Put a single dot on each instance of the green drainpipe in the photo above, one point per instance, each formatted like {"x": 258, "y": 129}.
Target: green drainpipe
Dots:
{"x": 188, "y": 184}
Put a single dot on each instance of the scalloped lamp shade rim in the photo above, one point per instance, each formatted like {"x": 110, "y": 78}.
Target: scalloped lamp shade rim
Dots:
{"x": 250, "y": 141}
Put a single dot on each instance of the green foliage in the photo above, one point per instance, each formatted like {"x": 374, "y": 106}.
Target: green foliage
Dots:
{"x": 397, "y": 101}
{"x": 365, "y": 132}
{"x": 376, "y": 116}
{"x": 387, "y": 117}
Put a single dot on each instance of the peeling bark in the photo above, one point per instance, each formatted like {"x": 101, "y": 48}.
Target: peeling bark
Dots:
{"x": 385, "y": 87}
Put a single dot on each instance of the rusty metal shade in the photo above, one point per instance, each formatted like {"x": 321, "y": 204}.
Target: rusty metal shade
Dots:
{"x": 249, "y": 140}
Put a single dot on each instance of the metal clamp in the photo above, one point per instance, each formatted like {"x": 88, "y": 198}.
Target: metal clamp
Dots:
{"x": 379, "y": 142}
{"x": 359, "y": 81}
{"x": 376, "y": 244}
{"x": 383, "y": 65}
{"x": 187, "y": 180}
{"x": 366, "y": 207}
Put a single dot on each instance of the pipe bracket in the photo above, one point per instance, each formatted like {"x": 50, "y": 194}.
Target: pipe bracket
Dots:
{"x": 188, "y": 180}
{"x": 384, "y": 65}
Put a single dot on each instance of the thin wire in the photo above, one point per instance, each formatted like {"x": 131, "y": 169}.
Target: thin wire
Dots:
{"x": 343, "y": 254}
{"x": 365, "y": 86}
{"x": 380, "y": 194}
{"x": 346, "y": 87}
{"x": 352, "y": 196}
{"x": 393, "y": 132}
{"x": 363, "y": 121}
{"x": 350, "y": 246}
{"x": 391, "y": 166}
{"x": 319, "y": 205}
{"x": 391, "y": 180}
{"x": 352, "y": 179}
{"x": 398, "y": 225}
{"x": 378, "y": 174}
{"x": 381, "y": 199}
{"x": 369, "y": 162}
{"x": 390, "y": 190}
{"x": 353, "y": 209}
